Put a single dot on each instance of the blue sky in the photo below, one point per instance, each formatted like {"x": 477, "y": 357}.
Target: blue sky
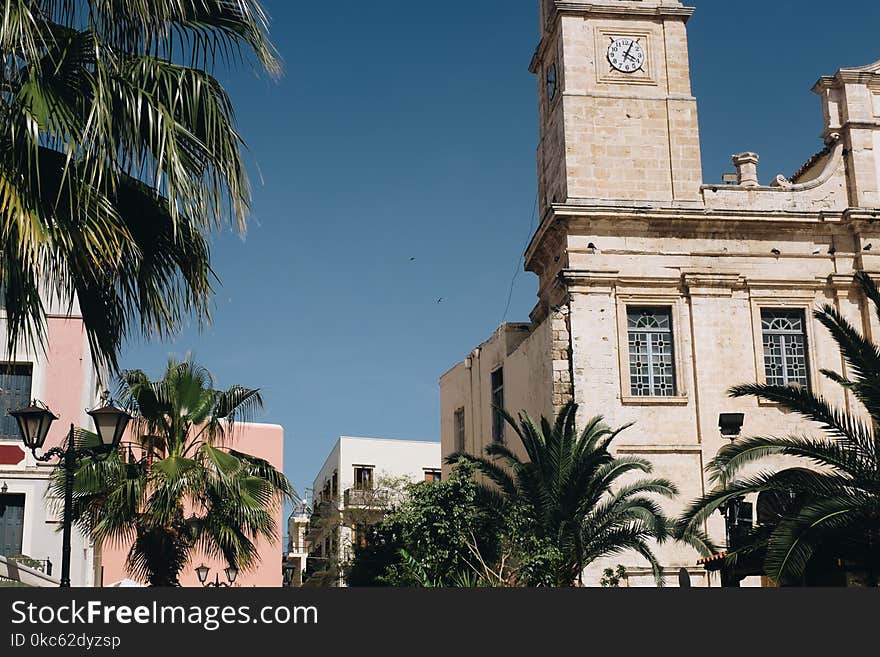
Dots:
{"x": 406, "y": 130}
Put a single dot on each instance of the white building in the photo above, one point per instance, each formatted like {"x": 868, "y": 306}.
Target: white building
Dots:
{"x": 296, "y": 550}
{"x": 355, "y": 486}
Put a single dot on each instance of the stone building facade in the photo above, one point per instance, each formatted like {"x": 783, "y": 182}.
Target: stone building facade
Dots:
{"x": 658, "y": 292}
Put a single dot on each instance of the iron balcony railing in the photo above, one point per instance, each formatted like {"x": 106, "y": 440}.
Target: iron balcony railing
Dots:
{"x": 43, "y": 565}
{"x": 367, "y": 497}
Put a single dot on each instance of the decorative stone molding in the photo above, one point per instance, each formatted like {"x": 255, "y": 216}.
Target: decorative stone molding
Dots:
{"x": 857, "y": 75}
{"x": 632, "y": 8}
{"x": 836, "y": 157}
{"x": 590, "y": 281}
{"x": 841, "y": 282}
{"x": 711, "y": 284}
{"x": 700, "y": 215}
{"x": 659, "y": 448}
{"x": 585, "y": 281}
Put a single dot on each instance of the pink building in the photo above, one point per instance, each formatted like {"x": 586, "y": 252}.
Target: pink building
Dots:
{"x": 66, "y": 379}
{"x": 265, "y": 441}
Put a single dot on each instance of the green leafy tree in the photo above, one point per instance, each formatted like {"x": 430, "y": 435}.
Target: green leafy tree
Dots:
{"x": 118, "y": 152}
{"x": 442, "y": 535}
{"x": 436, "y": 528}
{"x": 570, "y": 486}
{"x": 832, "y": 508}
{"x": 380, "y": 551}
{"x": 180, "y": 490}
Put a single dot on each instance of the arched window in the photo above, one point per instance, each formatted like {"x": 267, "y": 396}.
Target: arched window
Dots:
{"x": 651, "y": 353}
{"x": 785, "y": 347}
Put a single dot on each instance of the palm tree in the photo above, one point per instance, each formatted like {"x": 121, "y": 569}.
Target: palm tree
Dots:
{"x": 832, "y": 507}
{"x": 570, "y": 485}
{"x": 118, "y": 153}
{"x": 180, "y": 489}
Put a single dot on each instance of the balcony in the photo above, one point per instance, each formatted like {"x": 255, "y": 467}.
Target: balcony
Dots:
{"x": 367, "y": 498}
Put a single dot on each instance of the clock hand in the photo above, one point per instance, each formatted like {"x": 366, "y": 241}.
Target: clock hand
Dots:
{"x": 626, "y": 54}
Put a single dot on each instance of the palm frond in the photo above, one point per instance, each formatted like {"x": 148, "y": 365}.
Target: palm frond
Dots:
{"x": 566, "y": 488}
{"x": 119, "y": 153}
{"x": 182, "y": 495}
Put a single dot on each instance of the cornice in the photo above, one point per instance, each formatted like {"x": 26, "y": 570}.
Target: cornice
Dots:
{"x": 754, "y": 219}
{"x": 625, "y": 10}
{"x": 701, "y": 282}
{"x": 580, "y": 279}
{"x": 701, "y": 214}
{"x": 846, "y": 76}
{"x": 862, "y": 215}
{"x": 839, "y": 282}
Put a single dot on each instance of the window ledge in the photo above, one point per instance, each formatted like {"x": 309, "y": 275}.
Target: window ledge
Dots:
{"x": 655, "y": 448}
{"x": 681, "y": 400}
{"x": 763, "y": 403}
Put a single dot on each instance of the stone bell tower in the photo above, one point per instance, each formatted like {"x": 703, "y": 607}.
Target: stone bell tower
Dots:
{"x": 618, "y": 121}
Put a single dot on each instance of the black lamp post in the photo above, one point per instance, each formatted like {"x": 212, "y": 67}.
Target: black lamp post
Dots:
{"x": 34, "y": 422}
{"x": 202, "y": 573}
{"x": 730, "y": 425}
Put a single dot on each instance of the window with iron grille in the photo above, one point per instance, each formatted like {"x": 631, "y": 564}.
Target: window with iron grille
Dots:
{"x": 15, "y": 392}
{"x": 785, "y": 347}
{"x": 459, "y": 430}
{"x": 651, "y": 352}
{"x": 498, "y": 405}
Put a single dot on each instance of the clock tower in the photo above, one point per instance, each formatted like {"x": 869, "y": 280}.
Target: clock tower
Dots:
{"x": 618, "y": 121}
{"x": 656, "y": 292}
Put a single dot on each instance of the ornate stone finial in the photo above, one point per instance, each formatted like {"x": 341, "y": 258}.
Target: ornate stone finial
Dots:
{"x": 747, "y": 168}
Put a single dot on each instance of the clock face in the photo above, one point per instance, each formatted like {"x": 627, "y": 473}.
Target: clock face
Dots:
{"x": 626, "y": 55}
{"x": 551, "y": 82}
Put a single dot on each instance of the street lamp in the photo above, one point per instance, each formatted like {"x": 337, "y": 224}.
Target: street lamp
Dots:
{"x": 730, "y": 425}
{"x": 34, "y": 422}
{"x": 202, "y": 573}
